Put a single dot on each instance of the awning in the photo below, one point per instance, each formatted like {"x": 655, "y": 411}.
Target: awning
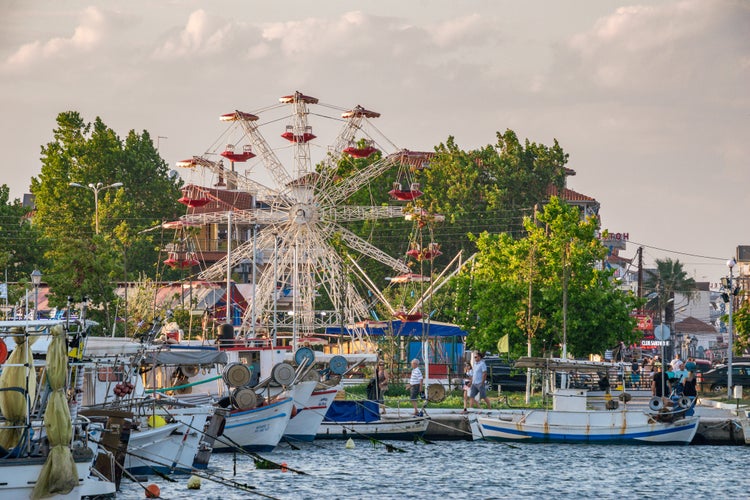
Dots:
{"x": 186, "y": 357}
{"x": 404, "y": 328}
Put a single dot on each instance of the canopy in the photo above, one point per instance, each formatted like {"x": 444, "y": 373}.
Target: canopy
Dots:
{"x": 407, "y": 328}
{"x": 186, "y": 357}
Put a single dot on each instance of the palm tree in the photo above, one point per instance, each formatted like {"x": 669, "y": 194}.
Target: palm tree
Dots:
{"x": 662, "y": 283}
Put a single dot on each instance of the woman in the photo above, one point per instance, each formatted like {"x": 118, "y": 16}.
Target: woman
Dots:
{"x": 381, "y": 378}
{"x": 689, "y": 385}
{"x": 467, "y": 384}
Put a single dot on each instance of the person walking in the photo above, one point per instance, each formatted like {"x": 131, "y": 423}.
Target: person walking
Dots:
{"x": 478, "y": 382}
{"x": 416, "y": 384}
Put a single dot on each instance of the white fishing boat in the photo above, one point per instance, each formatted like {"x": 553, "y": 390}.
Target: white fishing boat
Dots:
{"x": 571, "y": 422}
{"x": 305, "y": 424}
{"x": 362, "y": 420}
{"x": 44, "y": 451}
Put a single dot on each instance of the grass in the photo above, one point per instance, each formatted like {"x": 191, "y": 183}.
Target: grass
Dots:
{"x": 398, "y": 397}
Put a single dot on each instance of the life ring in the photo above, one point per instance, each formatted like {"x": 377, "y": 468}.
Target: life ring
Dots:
{"x": 236, "y": 375}
{"x": 3, "y": 351}
{"x": 683, "y": 402}
{"x": 656, "y": 404}
{"x": 283, "y": 374}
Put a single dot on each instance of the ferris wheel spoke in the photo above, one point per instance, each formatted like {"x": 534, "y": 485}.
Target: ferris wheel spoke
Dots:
{"x": 366, "y": 248}
{"x": 351, "y": 213}
{"x": 241, "y": 181}
{"x": 344, "y": 189}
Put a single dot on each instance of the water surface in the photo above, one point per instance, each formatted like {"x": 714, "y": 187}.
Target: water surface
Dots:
{"x": 481, "y": 469}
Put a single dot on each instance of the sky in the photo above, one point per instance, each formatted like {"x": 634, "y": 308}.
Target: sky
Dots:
{"x": 651, "y": 99}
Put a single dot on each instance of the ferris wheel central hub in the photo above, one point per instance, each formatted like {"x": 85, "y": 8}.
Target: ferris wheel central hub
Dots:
{"x": 304, "y": 213}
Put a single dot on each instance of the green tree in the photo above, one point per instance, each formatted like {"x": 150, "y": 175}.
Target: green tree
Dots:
{"x": 741, "y": 326}
{"x": 489, "y": 189}
{"x": 559, "y": 244}
{"x": 668, "y": 278}
{"x": 82, "y": 263}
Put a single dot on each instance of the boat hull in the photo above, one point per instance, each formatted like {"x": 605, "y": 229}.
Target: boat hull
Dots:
{"x": 625, "y": 427}
{"x": 259, "y": 429}
{"x": 305, "y": 424}
{"x": 19, "y": 476}
{"x": 170, "y": 448}
{"x": 386, "y": 428}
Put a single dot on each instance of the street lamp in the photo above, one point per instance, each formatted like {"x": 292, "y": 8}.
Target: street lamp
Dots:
{"x": 36, "y": 280}
{"x": 96, "y": 188}
{"x": 730, "y": 264}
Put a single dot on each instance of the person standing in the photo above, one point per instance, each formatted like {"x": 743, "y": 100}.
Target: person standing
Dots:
{"x": 467, "y": 383}
{"x": 416, "y": 384}
{"x": 478, "y": 382}
{"x": 381, "y": 377}
{"x": 658, "y": 382}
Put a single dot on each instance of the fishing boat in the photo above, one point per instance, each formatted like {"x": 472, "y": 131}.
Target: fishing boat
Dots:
{"x": 304, "y": 425}
{"x": 362, "y": 420}
{"x": 166, "y": 434}
{"x": 570, "y": 421}
{"x": 44, "y": 451}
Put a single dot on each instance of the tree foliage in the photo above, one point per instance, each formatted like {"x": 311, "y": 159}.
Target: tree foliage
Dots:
{"x": 80, "y": 262}
{"x": 668, "y": 278}
{"x": 495, "y": 290}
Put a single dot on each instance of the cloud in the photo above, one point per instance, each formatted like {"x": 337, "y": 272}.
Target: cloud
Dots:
{"x": 666, "y": 49}
{"x": 203, "y": 35}
{"x": 85, "y": 38}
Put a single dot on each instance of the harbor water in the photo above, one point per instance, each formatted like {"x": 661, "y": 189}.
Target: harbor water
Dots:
{"x": 463, "y": 469}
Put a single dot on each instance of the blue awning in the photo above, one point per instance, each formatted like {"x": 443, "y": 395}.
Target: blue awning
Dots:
{"x": 407, "y": 328}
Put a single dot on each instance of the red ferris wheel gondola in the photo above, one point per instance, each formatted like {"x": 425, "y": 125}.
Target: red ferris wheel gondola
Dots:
{"x": 181, "y": 260}
{"x": 429, "y": 253}
{"x": 231, "y": 155}
{"x": 360, "y": 152}
{"x": 405, "y": 195}
{"x": 306, "y": 136}
{"x": 404, "y": 316}
{"x": 193, "y": 197}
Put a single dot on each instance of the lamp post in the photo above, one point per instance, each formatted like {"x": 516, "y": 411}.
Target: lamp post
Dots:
{"x": 730, "y": 264}
{"x": 96, "y": 188}
{"x": 36, "y": 280}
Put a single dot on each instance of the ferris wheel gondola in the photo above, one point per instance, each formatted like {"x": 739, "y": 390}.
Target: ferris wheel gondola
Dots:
{"x": 300, "y": 220}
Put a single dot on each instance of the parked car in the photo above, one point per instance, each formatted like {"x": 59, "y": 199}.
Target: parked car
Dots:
{"x": 501, "y": 372}
{"x": 716, "y": 379}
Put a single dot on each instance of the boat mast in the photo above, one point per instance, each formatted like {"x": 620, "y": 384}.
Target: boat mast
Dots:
{"x": 229, "y": 268}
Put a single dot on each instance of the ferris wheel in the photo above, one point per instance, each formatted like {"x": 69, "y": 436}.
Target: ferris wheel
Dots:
{"x": 298, "y": 214}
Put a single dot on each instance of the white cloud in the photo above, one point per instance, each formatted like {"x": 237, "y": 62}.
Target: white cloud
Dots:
{"x": 663, "y": 48}
{"x": 203, "y": 35}
{"x": 85, "y": 38}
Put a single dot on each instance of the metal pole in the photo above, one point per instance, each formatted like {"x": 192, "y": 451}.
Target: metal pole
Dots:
{"x": 731, "y": 264}
{"x": 36, "y": 302}
{"x": 95, "y": 188}
{"x": 255, "y": 255}
{"x": 229, "y": 268}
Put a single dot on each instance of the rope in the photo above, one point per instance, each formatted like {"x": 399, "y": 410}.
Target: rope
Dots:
{"x": 202, "y": 474}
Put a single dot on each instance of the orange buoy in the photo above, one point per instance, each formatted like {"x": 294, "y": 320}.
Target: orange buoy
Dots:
{"x": 3, "y": 351}
{"x": 152, "y": 491}
{"x": 283, "y": 467}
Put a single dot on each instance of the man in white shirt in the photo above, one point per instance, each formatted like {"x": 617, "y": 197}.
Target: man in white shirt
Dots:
{"x": 478, "y": 382}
